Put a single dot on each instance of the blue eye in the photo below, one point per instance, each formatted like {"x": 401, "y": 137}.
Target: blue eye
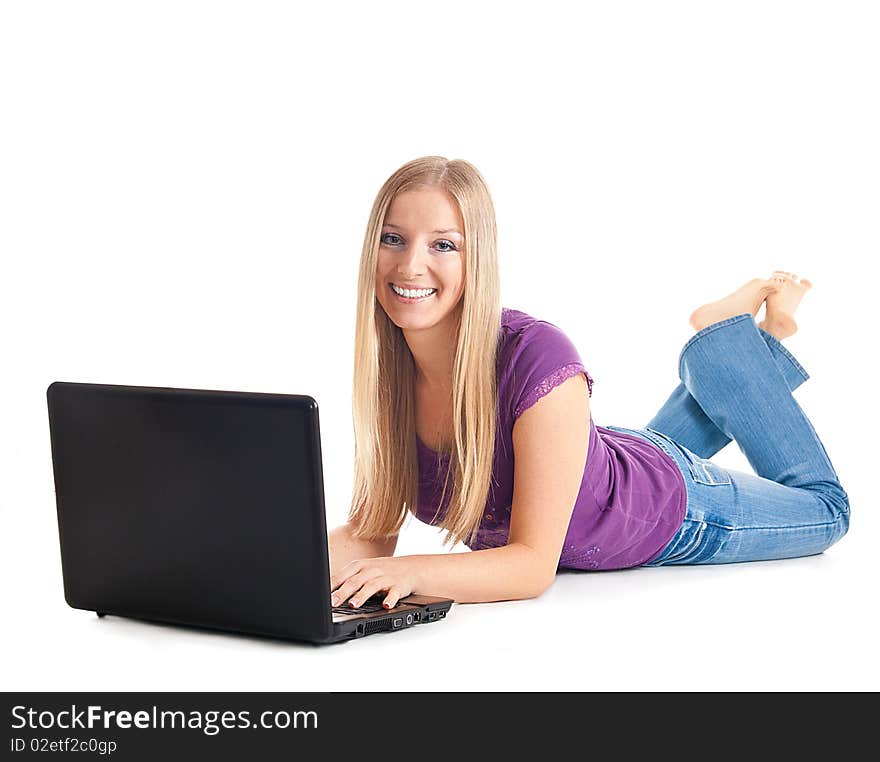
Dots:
{"x": 384, "y": 238}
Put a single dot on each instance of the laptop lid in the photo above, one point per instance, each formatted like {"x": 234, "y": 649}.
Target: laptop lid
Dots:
{"x": 192, "y": 506}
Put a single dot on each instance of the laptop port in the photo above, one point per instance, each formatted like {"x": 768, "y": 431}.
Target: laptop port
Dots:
{"x": 409, "y": 618}
{"x": 398, "y": 621}
{"x": 418, "y": 616}
{"x": 360, "y": 629}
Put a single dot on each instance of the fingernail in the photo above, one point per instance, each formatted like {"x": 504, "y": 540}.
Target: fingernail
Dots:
{"x": 334, "y": 600}
{"x": 386, "y": 604}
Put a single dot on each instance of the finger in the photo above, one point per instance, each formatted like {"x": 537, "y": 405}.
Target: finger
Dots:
{"x": 369, "y": 588}
{"x": 349, "y": 570}
{"x": 342, "y": 593}
{"x": 352, "y": 584}
{"x": 347, "y": 589}
{"x": 337, "y": 583}
{"x": 394, "y": 595}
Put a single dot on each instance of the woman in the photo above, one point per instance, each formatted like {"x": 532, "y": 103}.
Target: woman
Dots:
{"x": 476, "y": 419}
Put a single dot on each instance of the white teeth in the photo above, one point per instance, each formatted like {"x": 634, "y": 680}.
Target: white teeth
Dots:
{"x": 413, "y": 294}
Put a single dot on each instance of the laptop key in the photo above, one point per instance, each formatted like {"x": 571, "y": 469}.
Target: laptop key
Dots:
{"x": 369, "y": 606}
{"x": 349, "y": 610}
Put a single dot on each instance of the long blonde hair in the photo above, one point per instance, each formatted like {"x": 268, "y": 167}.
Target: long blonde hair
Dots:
{"x": 386, "y": 477}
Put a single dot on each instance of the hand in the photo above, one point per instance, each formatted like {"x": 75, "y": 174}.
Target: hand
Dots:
{"x": 363, "y": 578}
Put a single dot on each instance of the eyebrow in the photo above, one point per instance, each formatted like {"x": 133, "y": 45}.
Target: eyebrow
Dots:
{"x": 451, "y": 230}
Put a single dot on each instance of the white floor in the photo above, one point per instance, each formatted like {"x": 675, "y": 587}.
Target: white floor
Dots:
{"x": 800, "y": 624}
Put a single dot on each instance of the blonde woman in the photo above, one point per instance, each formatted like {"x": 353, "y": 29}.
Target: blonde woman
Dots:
{"x": 476, "y": 419}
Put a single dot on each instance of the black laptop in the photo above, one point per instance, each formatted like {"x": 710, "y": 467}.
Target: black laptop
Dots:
{"x": 202, "y": 508}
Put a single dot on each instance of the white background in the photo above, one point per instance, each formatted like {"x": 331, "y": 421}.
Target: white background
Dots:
{"x": 183, "y": 194}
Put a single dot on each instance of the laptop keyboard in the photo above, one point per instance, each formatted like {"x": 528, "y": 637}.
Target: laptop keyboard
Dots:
{"x": 369, "y": 606}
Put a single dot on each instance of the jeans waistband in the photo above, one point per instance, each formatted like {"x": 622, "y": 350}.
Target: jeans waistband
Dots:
{"x": 651, "y": 437}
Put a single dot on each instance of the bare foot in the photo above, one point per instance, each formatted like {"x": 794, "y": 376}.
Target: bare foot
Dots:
{"x": 779, "y": 318}
{"x": 747, "y": 298}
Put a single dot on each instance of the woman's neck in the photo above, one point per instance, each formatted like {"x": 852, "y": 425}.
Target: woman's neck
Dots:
{"x": 433, "y": 350}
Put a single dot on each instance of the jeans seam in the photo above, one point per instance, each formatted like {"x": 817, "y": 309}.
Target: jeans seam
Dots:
{"x": 724, "y": 526}
{"x": 709, "y": 329}
{"x": 784, "y": 526}
{"x": 695, "y": 469}
{"x": 779, "y": 345}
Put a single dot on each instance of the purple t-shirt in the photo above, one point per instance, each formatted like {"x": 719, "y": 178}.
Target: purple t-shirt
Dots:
{"x": 632, "y": 497}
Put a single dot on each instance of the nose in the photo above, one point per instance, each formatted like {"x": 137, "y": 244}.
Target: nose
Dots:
{"x": 411, "y": 262}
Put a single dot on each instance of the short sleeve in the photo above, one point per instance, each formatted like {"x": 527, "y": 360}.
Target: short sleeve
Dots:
{"x": 544, "y": 358}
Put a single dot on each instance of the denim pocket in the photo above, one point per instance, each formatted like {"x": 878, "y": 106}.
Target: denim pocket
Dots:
{"x": 692, "y": 533}
{"x": 702, "y": 471}
{"x": 697, "y": 543}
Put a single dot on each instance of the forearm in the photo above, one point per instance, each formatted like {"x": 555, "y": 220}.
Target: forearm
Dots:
{"x": 344, "y": 547}
{"x": 497, "y": 574}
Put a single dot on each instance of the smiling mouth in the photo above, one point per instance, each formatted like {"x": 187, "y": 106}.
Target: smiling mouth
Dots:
{"x": 411, "y": 299}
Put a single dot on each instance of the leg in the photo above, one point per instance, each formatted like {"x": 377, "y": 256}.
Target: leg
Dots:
{"x": 682, "y": 419}
{"x": 731, "y": 373}
{"x": 741, "y": 382}
{"x": 734, "y": 517}
{"x": 795, "y": 504}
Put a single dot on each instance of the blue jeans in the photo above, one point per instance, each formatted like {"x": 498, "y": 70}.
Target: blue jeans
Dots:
{"x": 736, "y": 384}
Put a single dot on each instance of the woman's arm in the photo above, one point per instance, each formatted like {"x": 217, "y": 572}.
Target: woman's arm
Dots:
{"x": 551, "y": 442}
{"x": 497, "y": 574}
{"x": 345, "y": 548}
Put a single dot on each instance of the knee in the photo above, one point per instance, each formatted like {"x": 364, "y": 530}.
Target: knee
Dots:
{"x": 838, "y": 502}
{"x": 843, "y": 522}
{"x": 842, "y": 525}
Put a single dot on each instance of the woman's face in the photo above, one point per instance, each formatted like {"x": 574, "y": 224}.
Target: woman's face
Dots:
{"x": 421, "y": 247}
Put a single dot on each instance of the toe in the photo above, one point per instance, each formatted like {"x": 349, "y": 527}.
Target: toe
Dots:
{"x": 805, "y": 283}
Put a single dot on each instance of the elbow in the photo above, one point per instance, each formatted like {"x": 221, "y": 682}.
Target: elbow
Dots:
{"x": 536, "y": 575}
{"x": 544, "y": 584}
{"x": 538, "y": 585}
